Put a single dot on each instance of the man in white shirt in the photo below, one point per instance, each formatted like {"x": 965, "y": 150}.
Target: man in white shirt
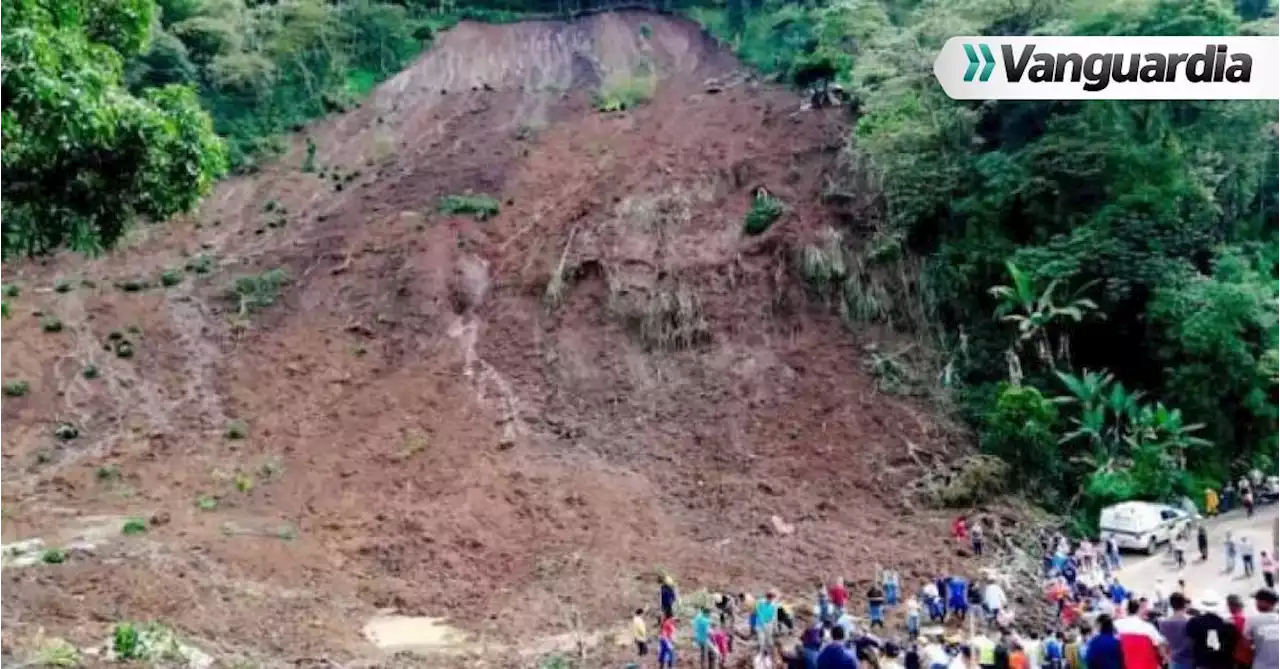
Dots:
{"x": 994, "y": 600}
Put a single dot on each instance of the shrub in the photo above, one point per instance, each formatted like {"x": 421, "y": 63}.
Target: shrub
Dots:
{"x": 207, "y": 503}
{"x": 133, "y": 284}
{"x": 108, "y": 473}
{"x": 62, "y": 286}
{"x": 90, "y": 371}
{"x": 236, "y": 429}
{"x": 623, "y": 93}
{"x": 51, "y": 324}
{"x": 134, "y": 526}
{"x": 11, "y": 290}
{"x": 124, "y": 349}
{"x": 765, "y": 210}
{"x": 482, "y": 207}
{"x": 259, "y": 291}
{"x": 170, "y": 277}
{"x": 201, "y": 264}
{"x": 125, "y": 640}
{"x": 53, "y": 556}
{"x": 309, "y": 163}
{"x": 66, "y": 431}
{"x": 16, "y": 388}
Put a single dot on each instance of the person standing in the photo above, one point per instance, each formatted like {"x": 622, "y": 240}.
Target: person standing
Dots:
{"x": 766, "y": 621}
{"x": 875, "y": 606}
{"x": 1230, "y": 544}
{"x": 913, "y": 618}
{"x": 1104, "y": 650}
{"x": 1113, "y": 552}
{"x": 1174, "y": 630}
{"x": 837, "y": 654}
{"x": 839, "y": 595}
{"x": 1246, "y": 556}
{"x": 640, "y": 634}
{"x": 1242, "y": 658}
{"x": 1202, "y": 542}
{"x": 994, "y": 601}
{"x": 1247, "y": 499}
{"x": 1263, "y": 630}
{"x": 978, "y": 535}
{"x": 721, "y": 643}
{"x": 702, "y": 637}
{"x": 892, "y": 587}
{"x": 957, "y": 596}
{"x": 1141, "y": 644}
{"x": 1267, "y": 563}
{"x": 667, "y": 644}
{"x": 1210, "y": 502}
{"x": 1213, "y": 639}
{"x": 1054, "y": 654}
{"x": 667, "y": 597}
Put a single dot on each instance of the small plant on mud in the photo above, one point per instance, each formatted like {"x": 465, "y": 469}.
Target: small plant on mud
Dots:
{"x": 207, "y": 503}
{"x": 765, "y": 210}
{"x": 53, "y": 556}
{"x": 259, "y": 291}
{"x": 201, "y": 264}
{"x": 90, "y": 371}
{"x": 16, "y": 388}
{"x": 133, "y": 284}
{"x": 236, "y": 429}
{"x": 244, "y": 482}
{"x": 134, "y": 526}
{"x": 125, "y": 640}
{"x": 482, "y": 207}
{"x": 309, "y": 163}
{"x": 51, "y": 324}
{"x": 58, "y": 653}
{"x": 624, "y": 92}
{"x": 123, "y": 349}
{"x": 66, "y": 431}
{"x": 646, "y": 31}
{"x": 62, "y": 286}
{"x": 11, "y": 290}
{"x": 108, "y": 473}
{"x": 4, "y": 309}
{"x": 170, "y": 278}
{"x": 270, "y": 206}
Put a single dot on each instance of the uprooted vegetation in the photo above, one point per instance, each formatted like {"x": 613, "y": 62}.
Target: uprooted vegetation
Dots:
{"x": 668, "y": 317}
{"x": 482, "y": 207}
{"x": 258, "y": 291}
{"x": 623, "y": 92}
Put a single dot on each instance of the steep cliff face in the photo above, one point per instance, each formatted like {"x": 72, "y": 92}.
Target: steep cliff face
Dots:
{"x": 499, "y": 418}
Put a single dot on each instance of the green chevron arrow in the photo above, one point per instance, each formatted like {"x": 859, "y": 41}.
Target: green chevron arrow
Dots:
{"x": 973, "y": 62}
{"x": 991, "y": 63}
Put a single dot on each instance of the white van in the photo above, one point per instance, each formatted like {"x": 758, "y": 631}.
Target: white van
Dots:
{"x": 1143, "y": 525}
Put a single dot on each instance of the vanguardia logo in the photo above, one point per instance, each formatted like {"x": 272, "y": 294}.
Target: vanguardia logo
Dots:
{"x": 987, "y": 58}
{"x": 1121, "y": 68}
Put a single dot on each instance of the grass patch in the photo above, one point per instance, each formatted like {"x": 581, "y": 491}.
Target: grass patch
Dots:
{"x": 11, "y": 290}
{"x": 53, "y": 556}
{"x": 108, "y": 473}
{"x": 482, "y": 207}
{"x": 765, "y": 211}
{"x": 90, "y": 371}
{"x": 170, "y": 278}
{"x": 133, "y": 284}
{"x": 823, "y": 265}
{"x": 58, "y": 653}
{"x": 236, "y": 429}
{"x": 62, "y": 286}
{"x": 244, "y": 482}
{"x": 624, "y": 92}
{"x": 207, "y": 503}
{"x": 259, "y": 291}
{"x": 665, "y": 319}
{"x": 16, "y": 388}
{"x": 134, "y": 526}
{"x": 51, "y": 324}
{"x": 360, "y": 82}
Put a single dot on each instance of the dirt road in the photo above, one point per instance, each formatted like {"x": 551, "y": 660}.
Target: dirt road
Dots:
{"x": 1141, "y": 573}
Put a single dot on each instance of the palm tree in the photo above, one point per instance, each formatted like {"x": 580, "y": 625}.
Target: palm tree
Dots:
{"x": 1034, "y": 312}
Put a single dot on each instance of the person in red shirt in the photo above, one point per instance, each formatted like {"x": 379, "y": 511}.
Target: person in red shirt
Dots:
{"x": 719, "y": 642}
{"x": 1140, "y": 642}
{"x": 667, "y": 643}
{"x": 959, "y": 530}
{"x": 1243, "y": 655}
{"x": 839, "y": 595}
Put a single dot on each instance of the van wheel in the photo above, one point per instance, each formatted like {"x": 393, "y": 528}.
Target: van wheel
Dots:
{"x": 1151, "y": 546}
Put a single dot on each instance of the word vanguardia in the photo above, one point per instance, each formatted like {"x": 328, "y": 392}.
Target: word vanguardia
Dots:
{"x": 1098, "y": 70}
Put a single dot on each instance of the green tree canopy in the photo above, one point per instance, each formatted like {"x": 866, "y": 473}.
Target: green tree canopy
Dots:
{"x": 84, "y": 158}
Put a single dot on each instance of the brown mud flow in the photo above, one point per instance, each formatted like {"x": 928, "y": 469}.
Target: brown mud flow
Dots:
{"x": 509, "y": 424}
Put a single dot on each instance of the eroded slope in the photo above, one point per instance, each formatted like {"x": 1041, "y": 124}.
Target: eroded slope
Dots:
{"x": 499, "y": 421}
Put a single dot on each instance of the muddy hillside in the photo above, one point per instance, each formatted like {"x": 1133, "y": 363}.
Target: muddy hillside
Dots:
{"x": 348, "y": 386}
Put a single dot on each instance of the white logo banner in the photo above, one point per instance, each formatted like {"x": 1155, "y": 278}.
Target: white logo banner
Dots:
{"x": 1110, "y": 68}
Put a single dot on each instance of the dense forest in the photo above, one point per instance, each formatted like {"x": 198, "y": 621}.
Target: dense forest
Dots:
{"x": 1099, "y": 278}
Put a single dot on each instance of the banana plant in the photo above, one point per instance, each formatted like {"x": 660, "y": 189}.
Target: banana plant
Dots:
{"x": 1033, "y": 312}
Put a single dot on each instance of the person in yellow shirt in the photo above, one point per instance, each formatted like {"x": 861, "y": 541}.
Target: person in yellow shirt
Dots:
{"x": 640, "y": 633}
{"x": 985, "y": 650}
{"x": 1210, "y": 502}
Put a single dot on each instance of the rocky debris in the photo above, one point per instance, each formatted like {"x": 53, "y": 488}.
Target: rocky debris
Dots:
{"x": 781, "y": 527}
{"x": 22, "y": 553}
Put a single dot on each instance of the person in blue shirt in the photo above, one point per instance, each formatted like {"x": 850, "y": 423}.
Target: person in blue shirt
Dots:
{"x": 1103, "y": 650}
{"x": 667, "y": 598}
{"x": 837, "y": 655}
{"x": 958, "y": 596}
{"x": 1054, "y": 652}
{"x": 702, "y": 636}
{"x": 1118, "y": 593}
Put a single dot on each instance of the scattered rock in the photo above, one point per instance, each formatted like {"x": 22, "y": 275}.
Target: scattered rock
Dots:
{"x": 160, "y": 518}
{"x": 781, "y": 527}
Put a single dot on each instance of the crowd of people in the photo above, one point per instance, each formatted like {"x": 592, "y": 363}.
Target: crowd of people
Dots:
{"x": 1097, "y": 622}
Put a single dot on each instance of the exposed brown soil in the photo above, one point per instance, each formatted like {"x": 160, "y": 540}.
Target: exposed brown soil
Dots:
{"x": 444, "y": 437}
